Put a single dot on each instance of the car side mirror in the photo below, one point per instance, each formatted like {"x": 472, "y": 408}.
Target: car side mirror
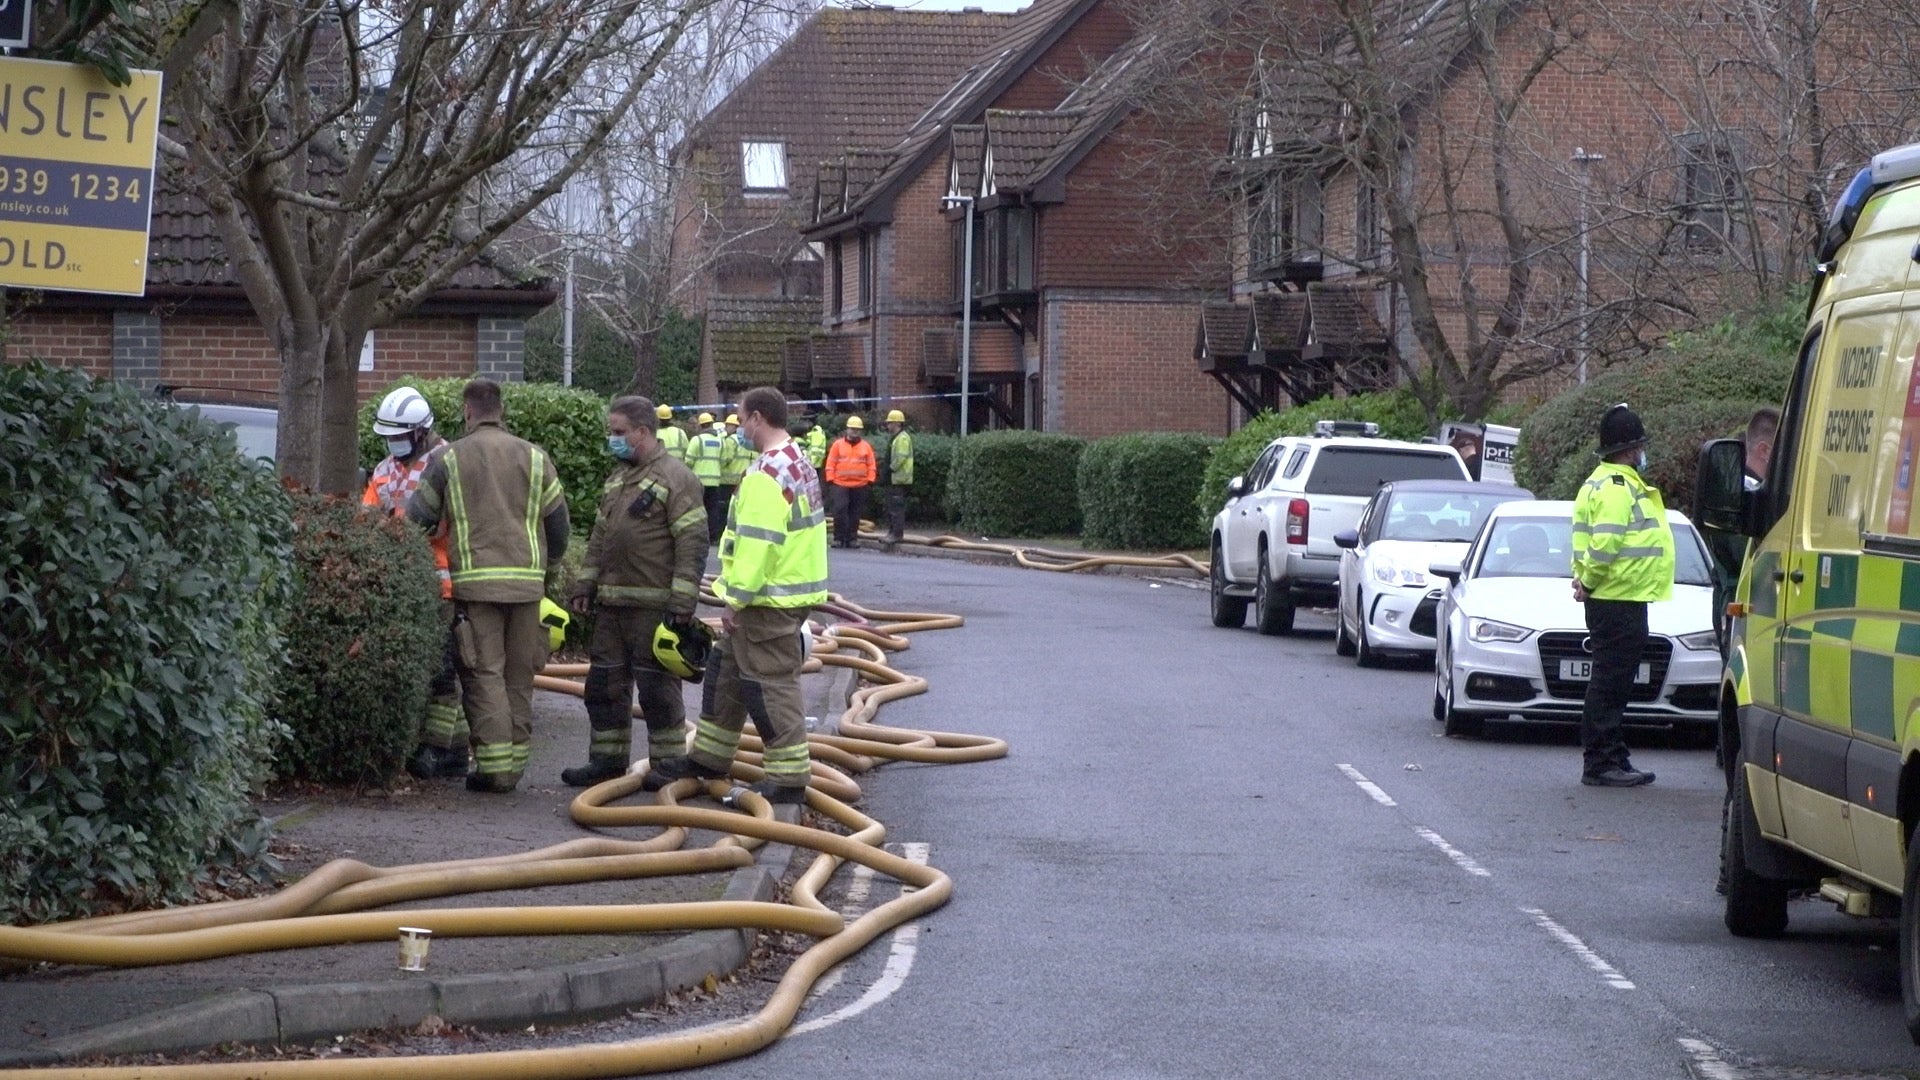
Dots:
{"x": 1346, "y": 538}
{"x": 1447, "y": 568}
{"x": 1236, "y": 487}
{"x": 1720, "y": 488}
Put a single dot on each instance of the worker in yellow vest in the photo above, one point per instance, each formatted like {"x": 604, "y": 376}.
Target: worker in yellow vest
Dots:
{"x": 707, "y": 457}
{"x": 896, "y": 474}
{"x": 817, "y": 443}
{"x": 672, "y": 437}
{"x": 734, "y": 465}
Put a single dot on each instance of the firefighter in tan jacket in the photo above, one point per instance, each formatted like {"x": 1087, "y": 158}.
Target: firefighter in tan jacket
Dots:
{"x": 507, "y": 519}
{"x": 642, "y": 571}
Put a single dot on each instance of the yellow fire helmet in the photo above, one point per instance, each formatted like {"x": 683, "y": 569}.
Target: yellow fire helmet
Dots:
{"x": 555, "y": 619}
{"x": 704, "y": 418}
{"x": 683, "y": 652}
{"x": 664, "y": 412}
{"x": 895, "y": 416}
{"x": 733, "y": 419}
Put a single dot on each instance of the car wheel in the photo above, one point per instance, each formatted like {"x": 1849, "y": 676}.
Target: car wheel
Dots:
{"x": 1342, "y": 644}
{"x": 1757, "y": 906}
{"x": 1909, "y": 940}
{"x": 1364, "y": 652}
{"x": 1454, "y": 722}
{"x": 1228, "y": 611}
{"x": 1272, "y": 606}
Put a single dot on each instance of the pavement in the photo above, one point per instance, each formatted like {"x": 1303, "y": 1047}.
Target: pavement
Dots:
{"x": 52, "y": 1013}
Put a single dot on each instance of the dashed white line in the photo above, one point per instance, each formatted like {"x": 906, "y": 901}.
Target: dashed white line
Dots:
{"x": 1367, "y": 785}
{"x": 906, "y": 940}
{"x": 1707, "y": 1063}
{"x": 1460, "y": 858}
{"x": 1607, "y": 972}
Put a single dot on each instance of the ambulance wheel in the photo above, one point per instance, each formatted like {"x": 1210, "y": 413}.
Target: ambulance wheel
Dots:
{"x": 1910, "y": 941}
{"x": 1757, "y": 906}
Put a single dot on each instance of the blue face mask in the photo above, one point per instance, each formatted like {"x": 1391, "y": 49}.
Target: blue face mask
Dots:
{"x": 618, "y": 446}
{"x": 1640, "y": 462}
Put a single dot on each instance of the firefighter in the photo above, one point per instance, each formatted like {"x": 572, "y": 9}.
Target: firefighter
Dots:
{"x": 1622, "y": 561}
{"x": 642, "y": 571}
{"x": 707, "y": 456}
{"x": 405, "y": 421}
{"x": 507, "y": 520}
{"x": 671, "y": 435}
{"x": 897, "y": 476}
{"x": 773, "y": 571}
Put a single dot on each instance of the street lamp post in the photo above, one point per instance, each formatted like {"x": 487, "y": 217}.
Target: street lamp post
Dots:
{"x": 966, "y": 310}
{"x": 566, "y": 334}
{"x": 1584, "y": 159}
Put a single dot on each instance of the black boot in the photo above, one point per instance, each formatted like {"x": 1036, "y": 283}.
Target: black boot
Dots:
{"x": 489, "y": 785}
{"x": 780, "y": 793}
{"x": 597, "y": 768}
{"x": 667, "y": 770}
{"x": 424, "y": 763}
{"x": 452, "y": 763}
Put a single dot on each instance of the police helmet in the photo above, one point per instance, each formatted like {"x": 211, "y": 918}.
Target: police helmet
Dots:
{"x": 1621, "y": 429}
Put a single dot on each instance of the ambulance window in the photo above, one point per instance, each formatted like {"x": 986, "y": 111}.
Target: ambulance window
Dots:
{"x": 1779, "y": 483}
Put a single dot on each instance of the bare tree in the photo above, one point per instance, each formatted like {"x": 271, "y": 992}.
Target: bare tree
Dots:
{"x": 356, "y": 155}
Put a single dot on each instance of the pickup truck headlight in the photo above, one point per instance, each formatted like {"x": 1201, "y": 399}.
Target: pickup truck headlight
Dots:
{"x": 1704, "y": 641}
{"x": 1388, "y": 572}
{"x": 1490, "y": 630}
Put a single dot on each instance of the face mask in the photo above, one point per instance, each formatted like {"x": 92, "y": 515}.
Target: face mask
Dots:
{"x": 1640, "y": 461}
{"x": 618, "y": 446}
{"x": 400, "y": 447}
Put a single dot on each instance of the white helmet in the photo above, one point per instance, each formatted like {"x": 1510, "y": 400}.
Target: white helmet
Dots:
{"x": 402, "y": 412}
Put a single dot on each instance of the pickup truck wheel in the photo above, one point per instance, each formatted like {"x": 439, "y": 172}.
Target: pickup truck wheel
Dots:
{"x": 1229, "y": 612}
{"x": 1910, "y": 941}
{"x": 1757, "y": 906}
{"x": 1272, "y": 606}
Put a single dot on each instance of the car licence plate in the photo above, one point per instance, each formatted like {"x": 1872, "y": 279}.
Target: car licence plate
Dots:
{"x": 1582, "y": 670}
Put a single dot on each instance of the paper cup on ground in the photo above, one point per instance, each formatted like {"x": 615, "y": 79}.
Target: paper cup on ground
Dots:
{"x": 413, "y": 948}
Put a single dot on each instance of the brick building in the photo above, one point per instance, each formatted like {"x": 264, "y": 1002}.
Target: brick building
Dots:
{"x": 744, "y": 175}
{"x": 1076, "y": 327}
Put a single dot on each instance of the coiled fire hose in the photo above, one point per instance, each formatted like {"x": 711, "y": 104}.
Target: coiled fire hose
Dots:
{"x": 328, "y": 906}
{"x": 1034, "y": 558}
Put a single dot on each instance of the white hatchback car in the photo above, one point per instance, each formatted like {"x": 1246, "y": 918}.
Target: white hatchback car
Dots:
{"x": 1388, "y": 600}
{"x": 1513, "y": 641}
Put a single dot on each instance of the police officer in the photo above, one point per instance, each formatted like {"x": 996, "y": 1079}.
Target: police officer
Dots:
{"x": 405, "y": 421}
{"x": 507, "y": 519}
{"x": 1622, "y": 561}
{"x": 898, "y": 475}
{"x": 642, "y": 569}
{"x": 707, "y": 457}
{"x": 773, "y": 570}
{"x": 671, "y": 435}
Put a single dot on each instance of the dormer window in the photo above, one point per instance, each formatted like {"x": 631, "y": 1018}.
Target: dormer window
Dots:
{"x": 763, "y": 168}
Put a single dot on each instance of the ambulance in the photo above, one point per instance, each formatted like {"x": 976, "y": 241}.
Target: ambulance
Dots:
{"x": 1820, "y": 698}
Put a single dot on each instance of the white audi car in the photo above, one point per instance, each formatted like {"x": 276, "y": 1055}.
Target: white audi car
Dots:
{"x": 1513, "y": 641}
{"x": 1388, "y": 601}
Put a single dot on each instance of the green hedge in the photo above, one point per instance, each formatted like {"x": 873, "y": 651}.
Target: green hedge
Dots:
{"x": 1017, "y": 483}
{"x": 1745, "y": 358}
{"x": 1138, "y": 491}
{"x": 363, "y": 641}
{"x": 1674, "y": 436}
{"x": 568, "y": 423}
{"x": 142, "y": 585}
{"x": 932, "y": 470}
{"x": 1399, "y": 414}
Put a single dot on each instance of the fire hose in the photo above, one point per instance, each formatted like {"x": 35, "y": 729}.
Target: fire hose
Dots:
{"x": 1034, "y": 558}
{"x": 330, "y": 906}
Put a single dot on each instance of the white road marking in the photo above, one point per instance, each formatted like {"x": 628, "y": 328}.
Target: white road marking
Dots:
{"x": 1607, "y": 972}
{"x": 1367, "y": 785}
{"x": 906, "y": 940}
{"x": 1460, "y": 858}
{"x": 1707, "y": 1063}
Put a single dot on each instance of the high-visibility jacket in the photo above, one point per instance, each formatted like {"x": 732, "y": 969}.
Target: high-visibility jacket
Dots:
{"x": 851, "y": 464}
{"x": 674, "y": 438}
{"x": 774, "y": 550}
{"x": 505, "y": 512}
{"x": 649, "y": 541}
{"x": 392, "y": 484}
{"x": 734, "y": 465}
{"x": 899, "y": 471}
{"x": 1622, "y": 545}
{"x": 706, "y": 456}
{"x": 817, "y": 447}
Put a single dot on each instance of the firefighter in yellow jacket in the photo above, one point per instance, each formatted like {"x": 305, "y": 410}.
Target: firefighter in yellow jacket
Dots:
{"x": 506, "y": 518}
{"x": 773, "y": 570}
{"x": 642, "y": 571}
{"x": 1622, "y": 561}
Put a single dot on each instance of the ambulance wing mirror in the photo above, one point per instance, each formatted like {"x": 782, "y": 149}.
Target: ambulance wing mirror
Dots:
{"x": 1720, "y": 488}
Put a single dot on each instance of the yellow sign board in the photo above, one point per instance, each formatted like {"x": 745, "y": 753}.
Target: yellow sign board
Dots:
{"x": 76, "y": 177}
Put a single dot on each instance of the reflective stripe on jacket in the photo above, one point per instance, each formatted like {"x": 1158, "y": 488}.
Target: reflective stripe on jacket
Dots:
{"x": 675, "y": 440}
{"x": 900, "y": 460}
{"x": 501, "y": 500}
{"x": 734, "y": 464}
{"x": 392, "y": 484}
{"x": 850, "y": 464}
{"x": 817, "y": 447}
{"x": 1622, "y": 545}
{"x": 706, "y": 455}
{"x": 649, "y": 542}
{"x": 774, "y": 550}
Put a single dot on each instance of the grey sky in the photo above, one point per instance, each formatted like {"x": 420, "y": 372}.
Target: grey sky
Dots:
{"x": 953, "y": 5}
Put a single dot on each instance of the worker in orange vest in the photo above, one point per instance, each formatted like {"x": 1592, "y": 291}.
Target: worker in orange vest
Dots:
{"x": 405, "y": 421}
{"x": 851, "y": 470}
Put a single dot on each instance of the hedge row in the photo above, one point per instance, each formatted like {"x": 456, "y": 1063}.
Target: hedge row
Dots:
{"x": 1398, "y": 412}
{"x": 1017, "y": 483}
{"x": 1674, "y": 436}
{"x": 1137, "y": 491}
{"x": 142, "y": 585}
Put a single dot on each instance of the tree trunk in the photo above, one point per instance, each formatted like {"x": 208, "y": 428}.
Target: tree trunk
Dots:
{"x": 297, "y": 444}
{"x": 338, "y": 462}
{"x": 646, "y": 363}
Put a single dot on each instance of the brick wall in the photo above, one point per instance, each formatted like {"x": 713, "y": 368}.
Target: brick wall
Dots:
{"x": 69, "y": 339}
{"x": 232, "y": 351}
{"x": 1119, "y": 364}
{"x": 1097, "y": 35}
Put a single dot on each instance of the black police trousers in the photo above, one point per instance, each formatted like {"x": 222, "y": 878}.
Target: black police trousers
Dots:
{"x": 1618, "y": 632}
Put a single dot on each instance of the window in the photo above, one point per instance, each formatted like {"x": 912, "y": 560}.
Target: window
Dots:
{"x": 839, "y": 279}
{"x": 1366, "y": 222}
{"x": 1352, "y": 470}
{"x": 1286, "y": 222}
{"x": 1002, "y": 251}
{"x": 1709, "y": 190}
{"x": 1298, "y": 459}
{"x": 866, "y": 271}
{"x": 763, "y": 167}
